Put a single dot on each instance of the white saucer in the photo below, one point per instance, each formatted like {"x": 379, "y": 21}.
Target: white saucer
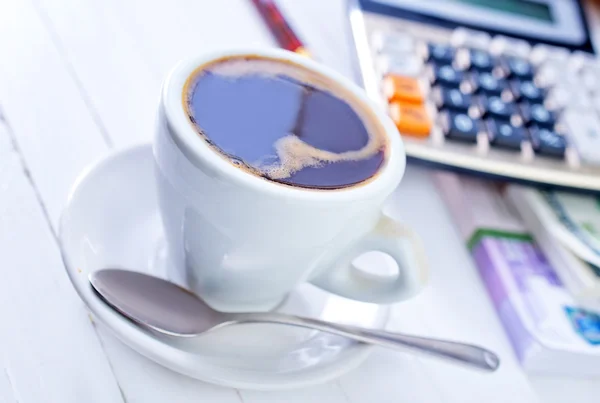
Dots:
{"x": 112, "y": 220}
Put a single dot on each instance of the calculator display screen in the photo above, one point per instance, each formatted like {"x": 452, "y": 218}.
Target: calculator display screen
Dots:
{"x": 554, "y": 21}
{"x": 539, "y": 11}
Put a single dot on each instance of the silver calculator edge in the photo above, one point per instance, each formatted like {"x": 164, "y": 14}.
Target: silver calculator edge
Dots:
{"x": 460, "y": 157}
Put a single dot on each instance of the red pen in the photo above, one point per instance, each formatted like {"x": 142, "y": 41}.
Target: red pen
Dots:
{"x": 279, "y": 27}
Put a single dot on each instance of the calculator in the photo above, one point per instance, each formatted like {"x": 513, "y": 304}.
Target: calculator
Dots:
{"x": 508, "y": 89}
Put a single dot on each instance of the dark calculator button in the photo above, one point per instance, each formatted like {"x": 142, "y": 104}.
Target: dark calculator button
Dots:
{"x": 527, "y": 91}
{"x": 441, "y": 54}
{"x": 447, "y": 75}
{"x": 515, "y": 67}
{"x": 494, "y": 106}
{"x": 481, "y": 60}
{"x": 537, "y": 114}
{"x": 486, "y": 83}
{"x": 503, "y": 134}
{"x": 547, "y": 142}
{"x": 453, "y": 98}
{"x": 459, "y": 126}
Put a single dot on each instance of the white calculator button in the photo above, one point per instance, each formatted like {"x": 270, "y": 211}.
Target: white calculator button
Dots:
{"x": 395, "y": 42}
{"x": 549, "y": 74}
{"x": 540, "y": 53}
{"x": 510, "y": 46}
{"x": 470, "y": 38}
{"x": 406, "y": 65}
{"x": 596, "y": 103}
{"x": 581, "y": 100}
{"x": 590, "y": 78}
{"x": 558, "y": 98}
{"x": 568, "y": 96}
{"x": 584, "y": 132}
{"x": 579, "y": 60}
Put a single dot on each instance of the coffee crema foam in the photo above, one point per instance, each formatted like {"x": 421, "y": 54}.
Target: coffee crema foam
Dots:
{"x": 291, "y": 153}
{"x": 295, "y": 155}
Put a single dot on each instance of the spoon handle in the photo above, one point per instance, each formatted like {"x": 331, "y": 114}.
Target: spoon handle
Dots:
{"x": 464, "y": 353}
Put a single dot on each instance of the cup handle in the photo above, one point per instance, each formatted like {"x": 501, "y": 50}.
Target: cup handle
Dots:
{"x": 392, "y": 238}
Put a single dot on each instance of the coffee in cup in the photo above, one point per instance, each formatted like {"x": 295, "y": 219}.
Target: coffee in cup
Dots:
{"x": 284, "y": 123}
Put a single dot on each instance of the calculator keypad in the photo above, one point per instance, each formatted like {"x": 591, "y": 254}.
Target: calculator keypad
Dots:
{"x": 447, "y": 75}
{"x": 410, "y": 66}
{"x": 502, "y": 133}
{"x": 481, "y": 60}
{"x": 398, "y": 88}
{"x": 547, "y": 142}
{"x": 494, "y": 106}
{"x": 527, "y": 91}
{"x": 586, "y": 125}
{"x": 487, "y": 83}
{"x": 460, "y": 126}
{"x": 452, "y": 98}
{"x": 441, "y": 54}
{"x": 411, "y": 119}
{"x": 516, "y": 67}
{"x": 537, "y": 114}
{"x": 500, "y": 87}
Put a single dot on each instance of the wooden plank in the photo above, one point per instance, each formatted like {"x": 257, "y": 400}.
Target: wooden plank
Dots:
{"x": 168, "y": 32}
{"x": 48, "y": 349}
{"x": 455, "y": 305}
{"x": 555, "y": 389}
{"x": 8, "y": 394}
{"x": 53, "y": 126}
{"x": 322, "y": 25}
{"x": 394, "y": 376}
{"x": 121, "y": 89}
{"x": 326, "y": 393}
{"x": 120, "y": 73}
{"x": 142, "y": 380}
{"x": 390, "y": 378}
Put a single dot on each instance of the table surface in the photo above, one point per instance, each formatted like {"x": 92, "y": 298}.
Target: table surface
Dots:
{"x": 79, "y": 79}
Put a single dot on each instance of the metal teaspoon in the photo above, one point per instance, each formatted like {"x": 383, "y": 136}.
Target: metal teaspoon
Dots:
{"x": 166, "y": 308}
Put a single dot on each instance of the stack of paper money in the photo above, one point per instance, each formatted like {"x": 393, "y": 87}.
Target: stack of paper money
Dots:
{"x": 567, "y": 228}
{"x": 535, "y": 253}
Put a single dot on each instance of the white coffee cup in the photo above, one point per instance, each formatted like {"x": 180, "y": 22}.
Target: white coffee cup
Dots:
{"x": 243, "y": 242}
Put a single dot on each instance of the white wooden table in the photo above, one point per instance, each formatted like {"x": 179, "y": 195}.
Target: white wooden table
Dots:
{"x": 81, "y": 78}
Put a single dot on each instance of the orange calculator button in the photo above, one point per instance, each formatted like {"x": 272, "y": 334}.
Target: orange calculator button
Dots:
{"x": 403, "y": 89}
{"x": 411, "y": 119}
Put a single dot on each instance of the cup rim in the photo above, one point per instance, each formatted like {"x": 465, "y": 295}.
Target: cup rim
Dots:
{"x": 199, "y": 153}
